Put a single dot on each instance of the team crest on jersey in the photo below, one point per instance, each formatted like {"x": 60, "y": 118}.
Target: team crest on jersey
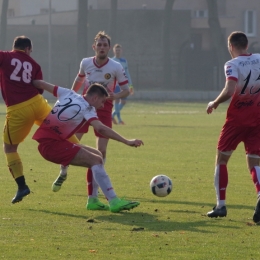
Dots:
{"x": 229, "y": 72}
{"x": 107, "y": 76}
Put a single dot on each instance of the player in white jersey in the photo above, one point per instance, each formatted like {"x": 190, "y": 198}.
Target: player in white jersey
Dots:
{"x": 120, "y": 103}
{"x": 69, "y": 113}
{"x": 105, "y": 71}
{"x": 242, "y": 120}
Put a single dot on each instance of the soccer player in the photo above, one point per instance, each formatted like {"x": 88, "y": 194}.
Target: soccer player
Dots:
{"x": 69, "y": 113}
{"x": 25, "y": 105}
{"x": 120, "y": 103}
{"x": 103, "y": 70}
{"x": 242, "y": 119}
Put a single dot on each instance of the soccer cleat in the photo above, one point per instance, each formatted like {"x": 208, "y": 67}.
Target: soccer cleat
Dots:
{"x": 121, "y": 123}
{"x": 117, "y": 205}
{"x": 222, "y": 212}
{"x": 256, "y": 216}
{"x": 56, "y": 186}
{"x": 20, "y": 194}
{"x": 95, "y": 204}
{"x": 114, "y": 121}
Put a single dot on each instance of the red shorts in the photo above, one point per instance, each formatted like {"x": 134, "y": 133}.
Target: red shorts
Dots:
{"x": 58, "y": 151}
{"x": 104, "y": 117}
{"x": 231, "y": 136}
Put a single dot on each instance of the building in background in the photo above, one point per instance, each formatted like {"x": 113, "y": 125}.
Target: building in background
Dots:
{"x": 233, "y": 14}
{"x": 193, "y": 61}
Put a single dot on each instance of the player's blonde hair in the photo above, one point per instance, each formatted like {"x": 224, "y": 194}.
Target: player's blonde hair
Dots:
{"x": 117, "y": 45}
{"x": 102, "y": 35}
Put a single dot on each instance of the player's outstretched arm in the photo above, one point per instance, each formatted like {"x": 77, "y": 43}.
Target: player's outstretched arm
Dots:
{"x": 41, "y": 84}
{"x": 109, "y": 133}
{"x": 225, "y": 95}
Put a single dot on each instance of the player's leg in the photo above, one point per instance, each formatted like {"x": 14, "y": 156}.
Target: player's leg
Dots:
{"x": 41, "y": 112}
{"x": 17, "y": 126}
{"x": 230, "y": 137}
{"x": 252, "y": 147}
{"x": 253, "y": 166}
{"x": 220, "y": 183}
{"x": 90, "y": 157}
{"x": 15, "y": 166}
{"x": 121, "y": 105}
{"x": 92, "y": 186}
{"x": 116, "y": 105}
{"x": 115, "y": 111}
{"x": 63, "y": 174}
{"x": 101, "y": 145}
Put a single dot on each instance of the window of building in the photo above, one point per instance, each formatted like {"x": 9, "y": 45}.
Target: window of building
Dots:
{"x": 250, "y": 23}
{"x": 201, "y": 13}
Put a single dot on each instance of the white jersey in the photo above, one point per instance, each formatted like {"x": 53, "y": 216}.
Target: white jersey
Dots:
{"x": 69, "y": 113}
{"x": 107, "y": 74}
{"x": 244, "y": 108}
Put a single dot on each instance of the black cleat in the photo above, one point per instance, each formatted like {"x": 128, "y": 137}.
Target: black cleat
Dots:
{"x": 222, "y": 212}
{"x": 20, "y": 194}
{"x": 256, "y": 216}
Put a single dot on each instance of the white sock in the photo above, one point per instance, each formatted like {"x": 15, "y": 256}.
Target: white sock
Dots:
{"x": 103, "y": 180}
{"x": 63, "y": 170}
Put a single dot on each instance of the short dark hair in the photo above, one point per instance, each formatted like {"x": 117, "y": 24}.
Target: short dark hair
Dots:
{"x": 102, "y": 35}
{"x": 97, "y": 89}
{"x": 22, "y": 42}
{"x": 238, "y": 39}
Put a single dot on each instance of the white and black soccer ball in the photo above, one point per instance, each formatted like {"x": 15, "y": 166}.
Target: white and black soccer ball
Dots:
{"x": 161, "y": 185}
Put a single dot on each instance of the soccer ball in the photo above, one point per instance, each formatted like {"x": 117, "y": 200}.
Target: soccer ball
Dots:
{"x": 161, "y": 185}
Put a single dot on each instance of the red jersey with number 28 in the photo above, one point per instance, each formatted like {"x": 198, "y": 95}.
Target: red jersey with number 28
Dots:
{"x": 244, "y": 108}
{"x": 17, "y": 70}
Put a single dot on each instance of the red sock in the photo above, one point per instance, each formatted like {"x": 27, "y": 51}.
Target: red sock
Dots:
{"x": 89, "y": 182}
{"x": 255, "y": 173}
{"x": 221, "y": 181}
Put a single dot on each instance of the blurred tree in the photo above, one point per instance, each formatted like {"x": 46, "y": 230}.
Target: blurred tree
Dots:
{"x": 82, "y": 30}
{"x": 113, "y": 21}
{"x": 167, "y": 63}
{"x": 3, "y": 24}
{"x": 217, "y": 37}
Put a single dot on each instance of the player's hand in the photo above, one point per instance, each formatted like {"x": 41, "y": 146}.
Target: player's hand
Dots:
{"x": 111, "y": 96}
{"x": 131, "y": 89}
{"x": 135, "y": 142}
{"x": 211, "y": 105}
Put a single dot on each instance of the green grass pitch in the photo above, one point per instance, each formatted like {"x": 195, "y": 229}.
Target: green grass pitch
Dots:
{"x": 179, "y": 141}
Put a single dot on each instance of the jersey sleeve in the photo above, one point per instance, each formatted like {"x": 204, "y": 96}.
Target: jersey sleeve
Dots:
{"x": 121, "y": 75}
{"x": 231, "y": 71}
{"x": 38, "y": 74}
{"x": 90, "y": 114}
{"x": 60, "y": 91}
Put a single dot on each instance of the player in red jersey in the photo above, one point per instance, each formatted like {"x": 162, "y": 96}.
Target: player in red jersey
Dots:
{"x": 25, "y": 105}
{"x": 107, "y": 72}
{"x": 70, "y": 112}
{"x": 242, "y": 120}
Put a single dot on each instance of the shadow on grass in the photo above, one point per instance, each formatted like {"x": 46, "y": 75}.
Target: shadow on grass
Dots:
{"x": 202, "y": 205}
{"x": 170, "y": 126}
{"x": 138, "y": 221}
{"x": 59, "y": 213}
{"x": 151, "y": 222}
